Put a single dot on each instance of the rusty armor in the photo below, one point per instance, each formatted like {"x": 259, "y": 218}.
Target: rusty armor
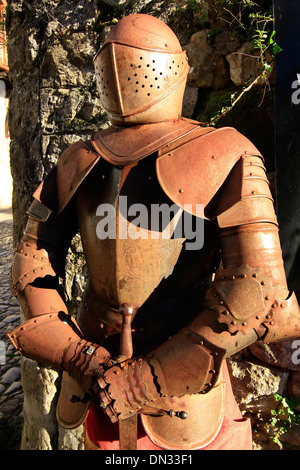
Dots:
{"x": 198, "y": 305}
{"x": 141, "y": 71}
{"x": 158, "y": 317}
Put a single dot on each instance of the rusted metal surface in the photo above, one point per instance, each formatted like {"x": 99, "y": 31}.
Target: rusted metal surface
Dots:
{"x": 72, "y": 409}
{"x": 204, "y": 417}
{"x": 141, "y": 71}
{"x": 207, "y": 163}
{"x": 145, "y": 293}
{"x": 29, "y": 264}
{"x": 125, "y": 145}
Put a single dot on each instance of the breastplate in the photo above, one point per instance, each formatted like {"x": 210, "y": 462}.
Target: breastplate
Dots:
{"x": 134, "y": 256}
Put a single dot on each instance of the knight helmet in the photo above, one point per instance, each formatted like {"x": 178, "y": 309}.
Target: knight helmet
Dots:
{"x": 141, "y": 72}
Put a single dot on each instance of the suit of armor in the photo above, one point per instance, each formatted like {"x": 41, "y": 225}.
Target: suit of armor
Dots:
{"x": 162, "y": 310}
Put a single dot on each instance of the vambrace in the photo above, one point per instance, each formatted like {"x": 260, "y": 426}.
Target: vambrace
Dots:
{"x": 56, "y": 340}
{"x": 50, "y": 335}
{"x": 39, "y": 260}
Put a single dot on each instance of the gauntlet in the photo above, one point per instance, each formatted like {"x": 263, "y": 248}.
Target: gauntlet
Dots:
{"x": 185, "y": 364}
{"x": 56, "y": 340}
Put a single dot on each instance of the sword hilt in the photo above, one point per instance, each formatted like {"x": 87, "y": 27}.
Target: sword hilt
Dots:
{"x": 127, "y": 427}
{"x": 178, "y": 414}
{"x": 126, "y": 349}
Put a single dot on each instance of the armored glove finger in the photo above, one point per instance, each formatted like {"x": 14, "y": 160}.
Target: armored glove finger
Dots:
{"x": 126, "y": 388}
{"x": 84, "y": 361}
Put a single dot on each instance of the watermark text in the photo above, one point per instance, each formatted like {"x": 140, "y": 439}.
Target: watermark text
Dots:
{"x": 159, "y": 221}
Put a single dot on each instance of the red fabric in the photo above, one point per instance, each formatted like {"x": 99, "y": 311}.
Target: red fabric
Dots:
{"x": 235, "y": 432}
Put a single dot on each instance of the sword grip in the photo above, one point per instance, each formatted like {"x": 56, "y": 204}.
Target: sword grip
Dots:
{"x": 126, "y": 348}
{"x": 127, "y": 427}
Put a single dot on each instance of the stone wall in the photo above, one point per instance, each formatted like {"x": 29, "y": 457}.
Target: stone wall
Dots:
{"x": 54, "y": 102}
{"x": 5, "y": 173}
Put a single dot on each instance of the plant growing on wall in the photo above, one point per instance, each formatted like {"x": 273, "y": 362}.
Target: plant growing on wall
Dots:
{"x": 283, "y": 417}
{"x": 254, "y": 22}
